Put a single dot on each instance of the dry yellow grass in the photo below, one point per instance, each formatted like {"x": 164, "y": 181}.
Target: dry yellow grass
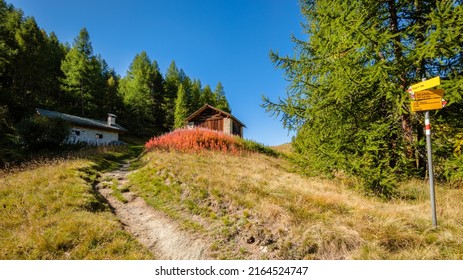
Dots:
{"x": 253, "y": 207}
{"x": 52, "y": 212}
{"x": 284, "y": 148}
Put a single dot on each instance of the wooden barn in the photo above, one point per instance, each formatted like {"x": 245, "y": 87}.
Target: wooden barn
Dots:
{"x": 215, "y": 119}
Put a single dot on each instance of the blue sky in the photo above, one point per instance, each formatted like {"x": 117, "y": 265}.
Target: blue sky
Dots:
{"x": 227, "y": 41}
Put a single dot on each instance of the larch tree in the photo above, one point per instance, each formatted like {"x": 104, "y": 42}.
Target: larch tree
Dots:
{"x": 77, "y": 67}
{"x": 112, "y": 100}
{"x": 159, "y": 100}
{"x": 29, "y": 65}
{"x": 347, "y": 98}
{"x": 142, "y": 91}
{"x": 172, "y": 82}
{"x": 207, "y": 96}
{"x": 181, "y": 107}
{"x": 221, "y": 101}
{"x": 54, "y": 55}
{"x": 195, "y": 100}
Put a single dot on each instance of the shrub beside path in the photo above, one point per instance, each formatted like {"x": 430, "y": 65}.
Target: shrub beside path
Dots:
{"x": 153, "y": 229}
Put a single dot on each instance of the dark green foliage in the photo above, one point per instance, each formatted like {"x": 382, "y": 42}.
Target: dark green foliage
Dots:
{"x": 207, "y": 96}
{"x": 221, "y": 101}
{"x": 29, "y": 64}
{"x": 172, "y": 82}
{"x": 453, "y": 171}
{"x": 255, "y": 147}
{"x": 195, "y": 97}
{"x": 181, "y": 107}
{"x": 453, "y": 167}
{"x": 143, "y": 93}
{"x": 37, "y": 133}
{"x": 9, "y": 146}
{"x": 347, "y": 98}
{"x": 82, "y": 80}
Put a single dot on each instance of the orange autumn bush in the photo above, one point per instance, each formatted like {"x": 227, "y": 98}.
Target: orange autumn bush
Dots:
{"x": 196, "y": 140}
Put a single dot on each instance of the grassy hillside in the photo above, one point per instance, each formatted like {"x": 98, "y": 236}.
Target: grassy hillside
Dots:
{"x": 253, "y": 207}
{"x": 244, "y": 205}
{"x": 53, "y": 212}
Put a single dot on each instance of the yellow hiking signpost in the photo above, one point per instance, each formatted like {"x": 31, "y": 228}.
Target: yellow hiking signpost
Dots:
{"x": 426, "y": 84}
{"x": 426, "y": 99}
{"x": 427, "y": 104}
{"x": 429, "y": 94}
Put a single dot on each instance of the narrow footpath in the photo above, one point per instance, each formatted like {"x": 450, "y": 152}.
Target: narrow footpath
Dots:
{"x": 152, "y": 228}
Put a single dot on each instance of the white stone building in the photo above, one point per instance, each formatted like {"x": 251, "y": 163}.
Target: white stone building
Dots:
{"x": 86, "y": 130}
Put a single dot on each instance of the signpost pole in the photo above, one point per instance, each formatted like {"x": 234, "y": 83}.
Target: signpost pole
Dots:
{"x": 430, "y": 169}
{"x": 425, "y": 99}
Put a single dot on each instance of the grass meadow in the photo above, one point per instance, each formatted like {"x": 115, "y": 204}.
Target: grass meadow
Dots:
{"x": 255, "y": 207}
{"x": 251, "y": 204}
{"x": 51, "y": 211}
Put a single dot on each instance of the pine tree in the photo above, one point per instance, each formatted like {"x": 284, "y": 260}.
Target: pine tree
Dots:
{"x": 137, "y": 90}
{"x": 195, "y": 100}
{"x": 207, "y": 96}
{"x": 28, "y": 65}
{"x": 221, "y": 101}
{"x": 111, "y": 95}
{"x": 181, "y": 107}
{"x": 347, "y": 97}
{"x": 54, "y": 54}
{"x": 158, "y": 96}
{"x": 172, "y": 82}
{"x": 78, "y": 67}
{"x": 10, "y": 23}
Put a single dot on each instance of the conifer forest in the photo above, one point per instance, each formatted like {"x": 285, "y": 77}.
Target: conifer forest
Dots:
{"x": 37, "y": 70}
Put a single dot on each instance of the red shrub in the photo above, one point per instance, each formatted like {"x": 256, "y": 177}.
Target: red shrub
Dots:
{"x": 195, "y": 140}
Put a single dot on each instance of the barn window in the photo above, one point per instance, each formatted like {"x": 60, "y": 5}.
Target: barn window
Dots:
{"x": 99, "y": 136}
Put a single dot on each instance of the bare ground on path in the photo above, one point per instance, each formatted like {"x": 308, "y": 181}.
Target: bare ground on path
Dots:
{"x": 152, "y": 228}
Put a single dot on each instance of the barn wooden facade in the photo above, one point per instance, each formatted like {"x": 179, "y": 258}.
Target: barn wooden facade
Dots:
{"x": 215, "y": 119}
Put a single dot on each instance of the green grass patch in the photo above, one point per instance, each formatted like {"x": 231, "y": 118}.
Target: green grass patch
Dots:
{"x": 116, "y": 189}
{"x": 253, "y": 146}
{"x": 110, "y": 158}
{"x": 163, "y": 193}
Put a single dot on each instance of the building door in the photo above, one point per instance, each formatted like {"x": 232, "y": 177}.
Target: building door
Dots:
{"x": 214, "y": 124}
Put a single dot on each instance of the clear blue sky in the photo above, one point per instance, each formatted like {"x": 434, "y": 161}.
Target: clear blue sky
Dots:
{"x": 211, "y": 40}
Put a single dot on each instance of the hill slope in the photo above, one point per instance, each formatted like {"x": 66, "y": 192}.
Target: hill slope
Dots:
{"x": 246, "y": 206}
{"x": 52, "y": 212}
{"x": 254, "y": 207}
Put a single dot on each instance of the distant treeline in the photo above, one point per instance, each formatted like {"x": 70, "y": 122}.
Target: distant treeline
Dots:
{"x": 37, "y": 70}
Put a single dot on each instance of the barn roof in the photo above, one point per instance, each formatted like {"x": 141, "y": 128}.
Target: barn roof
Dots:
{"x": 207, "y": 106}
{"x": 80, "y": 120}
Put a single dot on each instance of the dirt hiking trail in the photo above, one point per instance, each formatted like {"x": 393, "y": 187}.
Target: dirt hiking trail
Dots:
{"x": 152, "y": 228}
